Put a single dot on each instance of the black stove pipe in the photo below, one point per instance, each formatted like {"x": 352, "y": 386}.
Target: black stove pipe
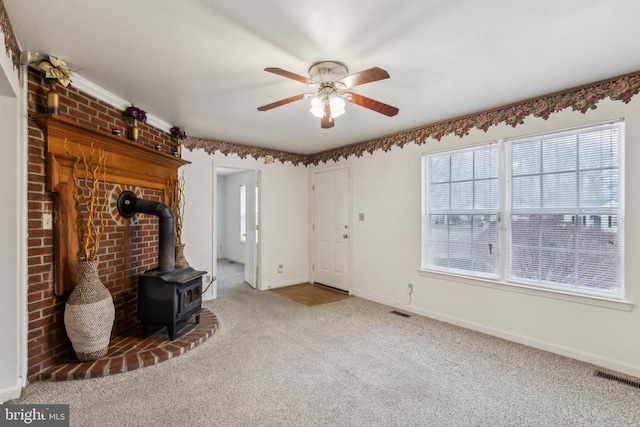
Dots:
{"x": 129, "y": 205}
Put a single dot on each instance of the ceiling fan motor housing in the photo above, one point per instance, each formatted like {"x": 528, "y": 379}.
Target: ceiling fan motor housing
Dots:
{"x": 328, "y": 71}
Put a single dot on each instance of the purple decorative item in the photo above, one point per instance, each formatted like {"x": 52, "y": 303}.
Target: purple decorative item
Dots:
{"x": 135, "y": 113}
{"x": 132, "y": 115}
{"x": 177, "y": 133}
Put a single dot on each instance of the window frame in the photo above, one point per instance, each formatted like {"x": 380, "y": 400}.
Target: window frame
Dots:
{"x": 453, "y": 211}
{"x": 503, "y": 275}
{"x": 243, "y": 213}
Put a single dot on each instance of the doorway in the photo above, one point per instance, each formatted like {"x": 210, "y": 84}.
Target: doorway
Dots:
{"x": 331, "y": 228}
{"x": 237, "y": 226}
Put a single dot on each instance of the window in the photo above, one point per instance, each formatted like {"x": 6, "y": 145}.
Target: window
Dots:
{"x": 542, "y": 211}
{"x": 243, "y": 213}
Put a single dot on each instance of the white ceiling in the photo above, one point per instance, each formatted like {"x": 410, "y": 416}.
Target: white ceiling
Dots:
{"x": 198, "y": 64}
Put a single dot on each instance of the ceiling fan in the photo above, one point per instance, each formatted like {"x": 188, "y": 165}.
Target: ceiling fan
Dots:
{"x": 330, "y": 79}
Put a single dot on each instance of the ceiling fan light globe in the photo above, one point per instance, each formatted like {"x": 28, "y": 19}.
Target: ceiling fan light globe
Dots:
{"x": 317, "y": 107}
{"x": 335, "y": 114}
{"x": 337, "y": 107}
{"x": 318, "y": 112}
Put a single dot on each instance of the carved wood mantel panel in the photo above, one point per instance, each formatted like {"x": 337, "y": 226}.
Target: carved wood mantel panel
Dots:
{"x": 127, "y": 163}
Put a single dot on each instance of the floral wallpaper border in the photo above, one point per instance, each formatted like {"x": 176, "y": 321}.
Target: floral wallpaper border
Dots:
{"x": 13, "y": 51}
{"x": 582, "y": 99}
{"x": 244, "y": 151}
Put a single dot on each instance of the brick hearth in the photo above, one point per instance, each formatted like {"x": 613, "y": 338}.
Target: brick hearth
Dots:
{"x": 127, "y": 353}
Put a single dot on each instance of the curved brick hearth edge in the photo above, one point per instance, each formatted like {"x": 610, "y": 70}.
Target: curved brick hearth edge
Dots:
{"x": 127, "y": 353}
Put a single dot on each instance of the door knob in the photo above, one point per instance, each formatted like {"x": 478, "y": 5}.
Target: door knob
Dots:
{"x": 345, "y": 236}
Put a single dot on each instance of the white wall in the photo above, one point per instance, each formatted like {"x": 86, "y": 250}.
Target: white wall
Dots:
{"x": 221, "y": 217}
{"x": 284, "y": 206}
{"x": 12, "y": 232}
{"x": 386, "y": 254}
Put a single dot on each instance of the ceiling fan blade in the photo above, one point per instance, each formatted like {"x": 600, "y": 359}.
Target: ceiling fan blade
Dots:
{"x": 290, "y": 75}
{"x": 281, "y": 102}
{"x": 374, "y": 105}
{"x": 362, "y": 77}
{"x": 327, "y": 121}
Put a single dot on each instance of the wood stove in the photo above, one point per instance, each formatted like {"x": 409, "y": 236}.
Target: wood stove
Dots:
{"x": 166, "y": 296}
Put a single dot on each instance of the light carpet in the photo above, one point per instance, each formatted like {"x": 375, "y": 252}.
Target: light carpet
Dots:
{"x": 274, "y": 362}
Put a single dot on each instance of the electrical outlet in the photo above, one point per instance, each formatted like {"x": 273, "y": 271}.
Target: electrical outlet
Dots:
{"x": 207, "y": 278}
{"x": 280, "y": 268}
{"x": 410, "y": 287}
{"x": 47, "y": 221}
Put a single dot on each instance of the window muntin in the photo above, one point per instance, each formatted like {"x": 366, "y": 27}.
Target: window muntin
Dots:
{"x": 560, "y": 195}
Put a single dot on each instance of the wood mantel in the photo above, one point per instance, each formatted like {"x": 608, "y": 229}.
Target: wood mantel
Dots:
{"x": 127, "y": 163}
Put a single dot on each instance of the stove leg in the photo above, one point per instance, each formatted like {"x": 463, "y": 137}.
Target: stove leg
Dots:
{"x": 145, "y": 328}
{"x": 172, "y": 331}
{"x": 198, "y": 319}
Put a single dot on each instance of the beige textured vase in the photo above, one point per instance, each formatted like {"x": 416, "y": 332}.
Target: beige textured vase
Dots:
{"x": 181, "y": 261}
{"x": 89, "y": 314}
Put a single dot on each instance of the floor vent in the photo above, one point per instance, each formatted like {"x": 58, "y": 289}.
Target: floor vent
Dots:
{"x": 628, "y": 382}
{"x": 398, "y": 313}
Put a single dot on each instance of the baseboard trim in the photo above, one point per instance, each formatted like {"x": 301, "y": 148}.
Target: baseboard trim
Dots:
{"x": 520, "y": 339}
{"x": 11, "y": 393}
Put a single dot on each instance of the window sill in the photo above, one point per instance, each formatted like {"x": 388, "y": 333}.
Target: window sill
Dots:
{"x": 622, "y": 305}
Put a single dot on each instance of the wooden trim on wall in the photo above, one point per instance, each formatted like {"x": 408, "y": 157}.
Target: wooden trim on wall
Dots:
{"x": 127, "y": 163}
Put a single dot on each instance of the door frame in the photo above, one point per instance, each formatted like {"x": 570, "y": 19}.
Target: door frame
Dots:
{"x": 312, "y": 218}
{"x": 214, "y": 212}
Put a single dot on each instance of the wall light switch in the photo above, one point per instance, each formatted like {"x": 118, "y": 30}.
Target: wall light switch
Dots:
{"x": 361, "y": 217}
{"x": 47, "y": 221}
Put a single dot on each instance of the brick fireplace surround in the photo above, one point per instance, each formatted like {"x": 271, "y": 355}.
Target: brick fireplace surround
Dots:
{"x": 127, "y": 250}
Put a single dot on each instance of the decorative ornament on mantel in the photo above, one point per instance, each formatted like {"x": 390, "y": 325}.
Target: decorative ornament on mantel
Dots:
{"x": 178, "y": 135}
{"x": 56, "y": 71}
{"x": 90, "y": 312}
{"x": 132, "y": 115}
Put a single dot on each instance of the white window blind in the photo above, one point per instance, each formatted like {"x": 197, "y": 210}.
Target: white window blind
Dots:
{"x": 565, "y": 206}
{"x": 560, "y": 200}
{"x": 461, "y": 230}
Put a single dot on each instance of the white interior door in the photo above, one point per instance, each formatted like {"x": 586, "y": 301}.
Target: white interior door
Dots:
{"x": 331, "y": 228}
{"x": 251, "y": 230}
